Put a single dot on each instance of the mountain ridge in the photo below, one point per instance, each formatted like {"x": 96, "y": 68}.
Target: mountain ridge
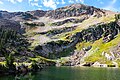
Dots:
{"x": 73, "y": 10}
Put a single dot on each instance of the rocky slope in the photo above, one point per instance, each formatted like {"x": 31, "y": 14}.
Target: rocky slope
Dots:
{"x": 75, "y": 10}
{"x": 75, "y": 13}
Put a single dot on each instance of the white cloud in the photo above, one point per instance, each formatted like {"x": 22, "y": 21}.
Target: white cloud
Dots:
{"x": 19, "y": 0}
{"x": 36, "y": 0}
{"x": 5, "y": 10}
{"x": 29, "y": 1}
{"x": 50, "y": 4}
{"x": 1, "y": 2}
{"x": 34, "y": 4}
{"x": 74, "y": 1}
{"x": 63, "y": 2}
{"x": 101, "y": 2}
{"x": 110, "y": 6}
{"x": 57, "y": 2}
{"x": 39, "y": 9}
{"x": 14, "y": 1}
{"x": 113, "y": 2}
{"x": 82, "y": 1}
{"x": 71, "y": 1}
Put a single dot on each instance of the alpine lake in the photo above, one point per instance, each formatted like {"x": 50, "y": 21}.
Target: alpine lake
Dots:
{"x": 68, "y": 73}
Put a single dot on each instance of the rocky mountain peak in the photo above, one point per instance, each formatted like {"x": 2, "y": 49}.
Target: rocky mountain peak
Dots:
{"x": 38, "y": 13}
{"x": 75, "y": 10}
{"x": 78, "y": 5}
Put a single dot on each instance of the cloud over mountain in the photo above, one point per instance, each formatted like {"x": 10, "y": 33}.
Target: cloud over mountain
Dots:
{"x": 19, "y": 5}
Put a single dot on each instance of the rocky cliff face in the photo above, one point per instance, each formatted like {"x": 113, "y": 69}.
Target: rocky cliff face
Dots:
{"x": 71, "y": 20}
{"x": 107, "y": 31}
{"x": 75, "y": 10}
{"x": 95, "y": 32}
{"x": 14, "y": 15}
{"x": 12, "y": 20}
{"x": 38, "y": 13}
{"x": 52, "y": 48}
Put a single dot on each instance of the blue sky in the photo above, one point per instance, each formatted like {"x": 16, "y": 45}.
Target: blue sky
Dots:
{"x": 28, "y": 5}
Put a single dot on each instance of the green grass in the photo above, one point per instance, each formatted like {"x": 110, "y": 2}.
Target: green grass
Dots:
{"x": 118, "y": 61}
{"x": 39, "y": 58}
{"x": 98, "y": 47}
{"x": 82, "y": 45}
{"x": 3, "y": 63}
{"x": 66, "y": 52}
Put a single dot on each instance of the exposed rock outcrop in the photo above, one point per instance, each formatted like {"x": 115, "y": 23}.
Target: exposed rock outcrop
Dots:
{"x": 72, "y": 20}
{"x": 10, "y": 24}
{"x": 59, "y": 31}
{"x": 116, "y": 51}
{"x": 38, "y": 13}
{"x": 95, "y": 32}
{"x": 75, "y": 58}
{"x": 75, "y": 10}
{"x": 118, "y": 22}
{"x": 54, "y": 48}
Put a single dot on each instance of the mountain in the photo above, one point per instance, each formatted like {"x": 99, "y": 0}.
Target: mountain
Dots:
{"x": 67, "y": 11}
{"x": 75, "y": 10}
{"x": 75, "y": 35}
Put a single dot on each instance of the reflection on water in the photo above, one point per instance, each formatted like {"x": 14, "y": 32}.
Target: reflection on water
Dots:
{"x": 69, "y": 73}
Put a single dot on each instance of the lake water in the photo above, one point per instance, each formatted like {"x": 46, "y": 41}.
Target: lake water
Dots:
{"x": 69, "y": 73}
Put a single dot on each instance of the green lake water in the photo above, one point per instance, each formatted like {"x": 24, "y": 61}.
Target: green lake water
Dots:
{"x": 69, "y": 73}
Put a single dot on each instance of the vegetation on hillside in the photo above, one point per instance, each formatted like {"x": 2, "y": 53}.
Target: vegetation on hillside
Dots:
{"x": 8, "y": 42}
{"x": 18, "y": 58}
